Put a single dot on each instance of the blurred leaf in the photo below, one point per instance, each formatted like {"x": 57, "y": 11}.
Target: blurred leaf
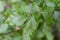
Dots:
{"x": 3, "y": 28}
{"x": 56, "y": 17}
{"x": 49, "y": 36}
{"x": 31, "y": 26}
{"x": 16, "y": 20}
{"x": 2, "y": 18}
{"x": 2, "y": 6}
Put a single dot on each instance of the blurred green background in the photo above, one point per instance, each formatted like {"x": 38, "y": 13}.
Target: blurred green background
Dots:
{"x": 29, "y": 19}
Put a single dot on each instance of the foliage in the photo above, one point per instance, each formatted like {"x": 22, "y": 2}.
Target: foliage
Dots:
{"x": 29, "y": 19}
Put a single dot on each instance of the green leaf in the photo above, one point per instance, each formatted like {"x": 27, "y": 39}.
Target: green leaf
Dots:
{"x": 49, "y": 36}
{"x": 2, "y": 18}
{"x": 16, "y": 20}
{"x": 3, "y": 28}
{"x": 30, "y": 27}
{"x": 56, "y": 17}
{"x": 40, "y": 34}
{"x": 26, "y": 8}
{"x": 47, "y": 18}
{"x": 2, "y": 6}
{"x": 50, "y": 4}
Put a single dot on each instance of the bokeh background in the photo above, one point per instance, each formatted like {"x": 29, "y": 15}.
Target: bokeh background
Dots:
{"x": 29, "y": 19}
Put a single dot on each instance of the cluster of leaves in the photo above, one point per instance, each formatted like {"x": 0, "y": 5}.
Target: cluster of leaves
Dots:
{"x": 29, "y": 19}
